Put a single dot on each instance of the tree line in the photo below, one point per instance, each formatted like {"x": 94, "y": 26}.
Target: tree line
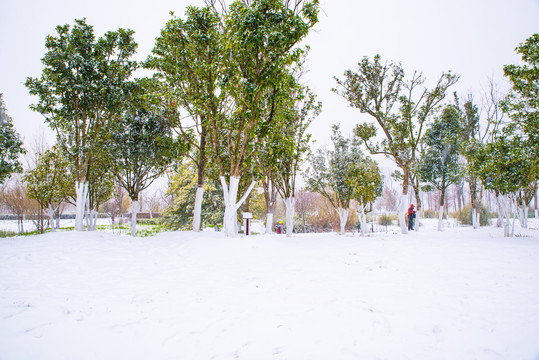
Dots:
{"x": 227, "y": 109}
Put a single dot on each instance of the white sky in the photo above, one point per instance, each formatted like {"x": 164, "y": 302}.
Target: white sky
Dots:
{"x": 473, "y": 38}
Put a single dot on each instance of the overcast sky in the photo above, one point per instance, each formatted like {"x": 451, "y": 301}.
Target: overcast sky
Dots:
{"x": 473, "y": 38}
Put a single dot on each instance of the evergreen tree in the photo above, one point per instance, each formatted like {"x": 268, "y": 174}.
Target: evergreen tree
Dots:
{"x": 50, "y": 183}
{"x": 523, "y": 103}
{"x": 188, "y": 60}
{"x": 440, "y": 165}
{"x": 10, "y": 145}
{"x": 81, "y": 93}
{"x": 182, "y": 189}
{"x": 142, "y": 146}
{"x": 335, "y": 174}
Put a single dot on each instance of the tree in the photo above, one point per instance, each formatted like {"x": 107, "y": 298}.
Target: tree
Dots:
{"x": 440, "y": 164}
{"x": 183, "y": 187}
{"x": 10, "y": 145}
{"x": 522, "y": 104}
{"x": 367, "y": 183}
{"x": 334, "y": 174}
{"x": 376, "y": 89}
{"x": 81, "y": 92}
{"x": 506, "y": 167}
{"x": 142, "y": 147}
{"x": 258, "y": 44}
{"x": 281, "y": 154}
{"x": 188, "y": 61}
{"x": 50, "y": 183}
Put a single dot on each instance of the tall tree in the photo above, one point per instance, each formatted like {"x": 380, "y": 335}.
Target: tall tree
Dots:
{"x": 440, "y": 165}
{"x": 259, "y": 41}
{"x": 81, "y": 92}
{"x": 522, "y": 104}
{"x": 188, "y": 59}
{"x": 399, "y": 107}
{"x": 10, "y": 145}
{"x": 143, "y": 147}
{"x": 281, "y": 154}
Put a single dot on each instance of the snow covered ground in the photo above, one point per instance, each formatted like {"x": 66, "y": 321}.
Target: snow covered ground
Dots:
{"x": 458, "y": 294}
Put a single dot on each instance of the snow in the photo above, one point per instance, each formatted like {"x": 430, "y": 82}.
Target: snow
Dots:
{"x": 457, "y": 294}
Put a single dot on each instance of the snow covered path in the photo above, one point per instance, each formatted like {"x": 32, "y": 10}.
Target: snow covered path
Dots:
{"x": 459, "y": 294}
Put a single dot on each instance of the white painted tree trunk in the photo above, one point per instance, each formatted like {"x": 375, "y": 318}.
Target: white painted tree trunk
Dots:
{"x": 504, "y": 204}
{"x": 362, "y": 219}
{"x": 269, "y": 223}
{"x": 81, "y": 190}
{"x": 343, "y": 217}
{"x": 91, "y": 220}
{"x": 198, "y": 209}
{"x": 475, "y": 218}
{"x": 289, "y": 205}
{"x": 440, "y": 218}
{"x": 230, "y": 193}
{"x": 135, "y": 208}
{"x": 403, "y": 206}
{"x": 536, "y": 213}
{"x": 50, "y": 212}
{"x": 523, "y": 216}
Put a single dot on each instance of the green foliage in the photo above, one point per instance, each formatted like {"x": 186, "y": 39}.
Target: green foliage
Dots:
{"x": 82, "y": 88}
{"x": 343, "y": 174}
{"x": 50, "y": 182}
{"x": 182, "y": 188}
{"x": 142, "y": 146}
{"x": 382, "y": 91}
{"x": 440, "y": 159}
{"x": 10, "y": 145}
{"x": 523, "y": 103}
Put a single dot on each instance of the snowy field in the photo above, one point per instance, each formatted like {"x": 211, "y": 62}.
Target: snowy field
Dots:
{"x": 458, "y": 294}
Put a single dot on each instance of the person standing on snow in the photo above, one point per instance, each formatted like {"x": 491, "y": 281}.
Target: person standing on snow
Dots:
{"x": 411, "y": 217}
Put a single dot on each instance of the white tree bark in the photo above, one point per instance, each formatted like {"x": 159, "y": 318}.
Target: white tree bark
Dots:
{"x": 50, "y": 212}
{"x": 440, "y": 219}
{"x": 135, "y": 208}
{"x": 523, "y": 216}
{"x": 403, "y": 206}
{"x": 230, "y": 193}
{"x": 269, "y": 223}
{"x": 198, "y": 209}
{"x": 343, "y": 217}
{"x": 91, "y": 219}
{"x": 81, "y": 190}
{"x": 289, "y": 205}
{"x": 362, "y": 219}
{"x": 504, "y": 204}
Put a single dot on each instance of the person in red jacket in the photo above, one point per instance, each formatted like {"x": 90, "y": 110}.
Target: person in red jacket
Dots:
{"x": 411, "y": 217}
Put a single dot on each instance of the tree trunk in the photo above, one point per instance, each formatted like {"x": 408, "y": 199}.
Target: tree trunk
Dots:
{"x": 343, "y": 217}
{"x": 198, "y": 208}
{"x": 362, "y": 220}
{"x": 403, "y": 207}
{"x": 269, "y": 222}
{"x": 134, "y": 210}
{"x": 289, "y": 205}
{"x": 230, "y": 194}
{"x": 81, "y": 189}
{"x": 50, "y": 213}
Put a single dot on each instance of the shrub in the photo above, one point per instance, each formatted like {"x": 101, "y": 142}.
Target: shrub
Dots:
{"x": 430, "y": 214}
{"x": 464, "y": 216}
{"x": 387, "y": 219}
